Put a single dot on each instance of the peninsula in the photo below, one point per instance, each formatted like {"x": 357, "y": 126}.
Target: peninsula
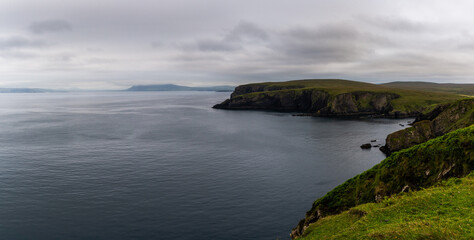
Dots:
{"x": 336, "y": 97}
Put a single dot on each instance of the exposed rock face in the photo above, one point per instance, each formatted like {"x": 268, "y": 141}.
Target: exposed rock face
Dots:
{"x": 250, "y": 88}
{"x": 302, "y": 101}
{"x": 441, "y": 120}
{"x": 317, "y": 102}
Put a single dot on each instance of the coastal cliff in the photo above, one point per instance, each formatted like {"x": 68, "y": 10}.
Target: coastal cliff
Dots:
{"x": 420, "y": 166}
{"x": 443, "y": 119}
{"x": 318, "y": 102}
{"x": 333, "y": 97}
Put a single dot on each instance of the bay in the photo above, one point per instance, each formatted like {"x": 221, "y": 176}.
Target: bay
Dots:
{"x": 165, "y": 165}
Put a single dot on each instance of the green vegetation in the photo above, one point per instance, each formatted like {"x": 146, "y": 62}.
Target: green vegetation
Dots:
{"x": 423, "y": 101}
{"x": 442, "y": 212}
{"x": 443, "y": 119}
{"x": 410, "y": 100}
{"x": 332, "y": 86}
{"x": 461, "y": 89}
{"x": 421, "y": 166}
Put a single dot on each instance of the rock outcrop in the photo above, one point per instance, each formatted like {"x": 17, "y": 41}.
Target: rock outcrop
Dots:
{"x": 366, "y": 146}
{"x": 443, "y": 119}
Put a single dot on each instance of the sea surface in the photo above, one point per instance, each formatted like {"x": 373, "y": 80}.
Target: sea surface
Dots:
{"x": 165, "y": 165}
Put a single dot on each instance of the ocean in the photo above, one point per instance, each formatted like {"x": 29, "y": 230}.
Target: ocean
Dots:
{"x": 165, "y": 165}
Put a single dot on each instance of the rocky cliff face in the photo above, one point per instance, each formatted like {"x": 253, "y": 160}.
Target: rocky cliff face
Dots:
{"x": 250, "y": 88}
{"x": 314, "y": 101}
{"x": 441, "y": 120}
{"x": 411, "y": 169}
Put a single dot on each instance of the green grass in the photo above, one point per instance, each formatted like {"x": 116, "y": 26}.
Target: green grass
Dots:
{"x": 411, "y": 99}
{"x": 461, "y": 89}
{"x": 445, "y": 211}
{"x": 420, "y": 166}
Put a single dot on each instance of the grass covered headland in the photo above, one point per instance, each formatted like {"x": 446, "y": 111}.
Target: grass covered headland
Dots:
{"x": 336, "y": 97}
{"x": 412, "y": 169}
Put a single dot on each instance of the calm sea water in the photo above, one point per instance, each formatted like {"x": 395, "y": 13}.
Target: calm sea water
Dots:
{"x": 165, "y": 165}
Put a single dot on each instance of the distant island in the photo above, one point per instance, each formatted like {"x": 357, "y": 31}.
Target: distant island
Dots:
{"x": 136, "y": 88}
{"x": 26, "y": 90}
{"x": 173, "y": 87}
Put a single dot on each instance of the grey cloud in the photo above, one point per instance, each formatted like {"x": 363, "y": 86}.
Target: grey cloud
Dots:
{"x": 232, "y": 40}
{"x": 327, "y": 44}
{"x": 20, "y": 42}
{"x": 217, "y": 46}
{"x": 65, "y": 57}
{"x": 292, "y": 52}
{"x": 156, "y": 44}
{"x": 54, "y": 25}
{"x": 413, "y": 65}
{"x": 203, "y": 40}
{"x": 466, "y": 46}
{"x": 396, "y": 24}
{"x": 246, "y": 30}
{"x": 17, "y": 55}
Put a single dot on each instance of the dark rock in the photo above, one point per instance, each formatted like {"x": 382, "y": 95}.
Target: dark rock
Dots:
{"x": 366, "y": 146}
{"x": 314, "y": 101}
{"x": 373, "y": 140}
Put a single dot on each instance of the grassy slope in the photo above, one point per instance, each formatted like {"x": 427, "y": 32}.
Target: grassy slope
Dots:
{"x": 442, "y": 212}
{"x": 410, "y": 100}
{"x": 462, "y": 89}
{"x": 418, "y": 167}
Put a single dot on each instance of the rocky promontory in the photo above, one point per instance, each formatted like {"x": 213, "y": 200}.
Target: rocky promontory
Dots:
{"x": 331, "y": 97}
{"x": 441, "y": 120}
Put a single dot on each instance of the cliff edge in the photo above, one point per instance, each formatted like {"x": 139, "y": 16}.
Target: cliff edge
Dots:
{"x": 441, "y": 120}
{"x": 333, "y": 97}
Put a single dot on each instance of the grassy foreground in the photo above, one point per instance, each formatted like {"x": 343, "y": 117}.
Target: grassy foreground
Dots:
{"x": 445, "y": 211}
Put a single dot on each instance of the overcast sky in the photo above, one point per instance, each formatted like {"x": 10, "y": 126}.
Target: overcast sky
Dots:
{"x": 113, "y": 44}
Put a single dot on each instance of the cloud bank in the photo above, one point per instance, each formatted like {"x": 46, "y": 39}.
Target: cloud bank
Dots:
{"x": 118, "y": 43}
